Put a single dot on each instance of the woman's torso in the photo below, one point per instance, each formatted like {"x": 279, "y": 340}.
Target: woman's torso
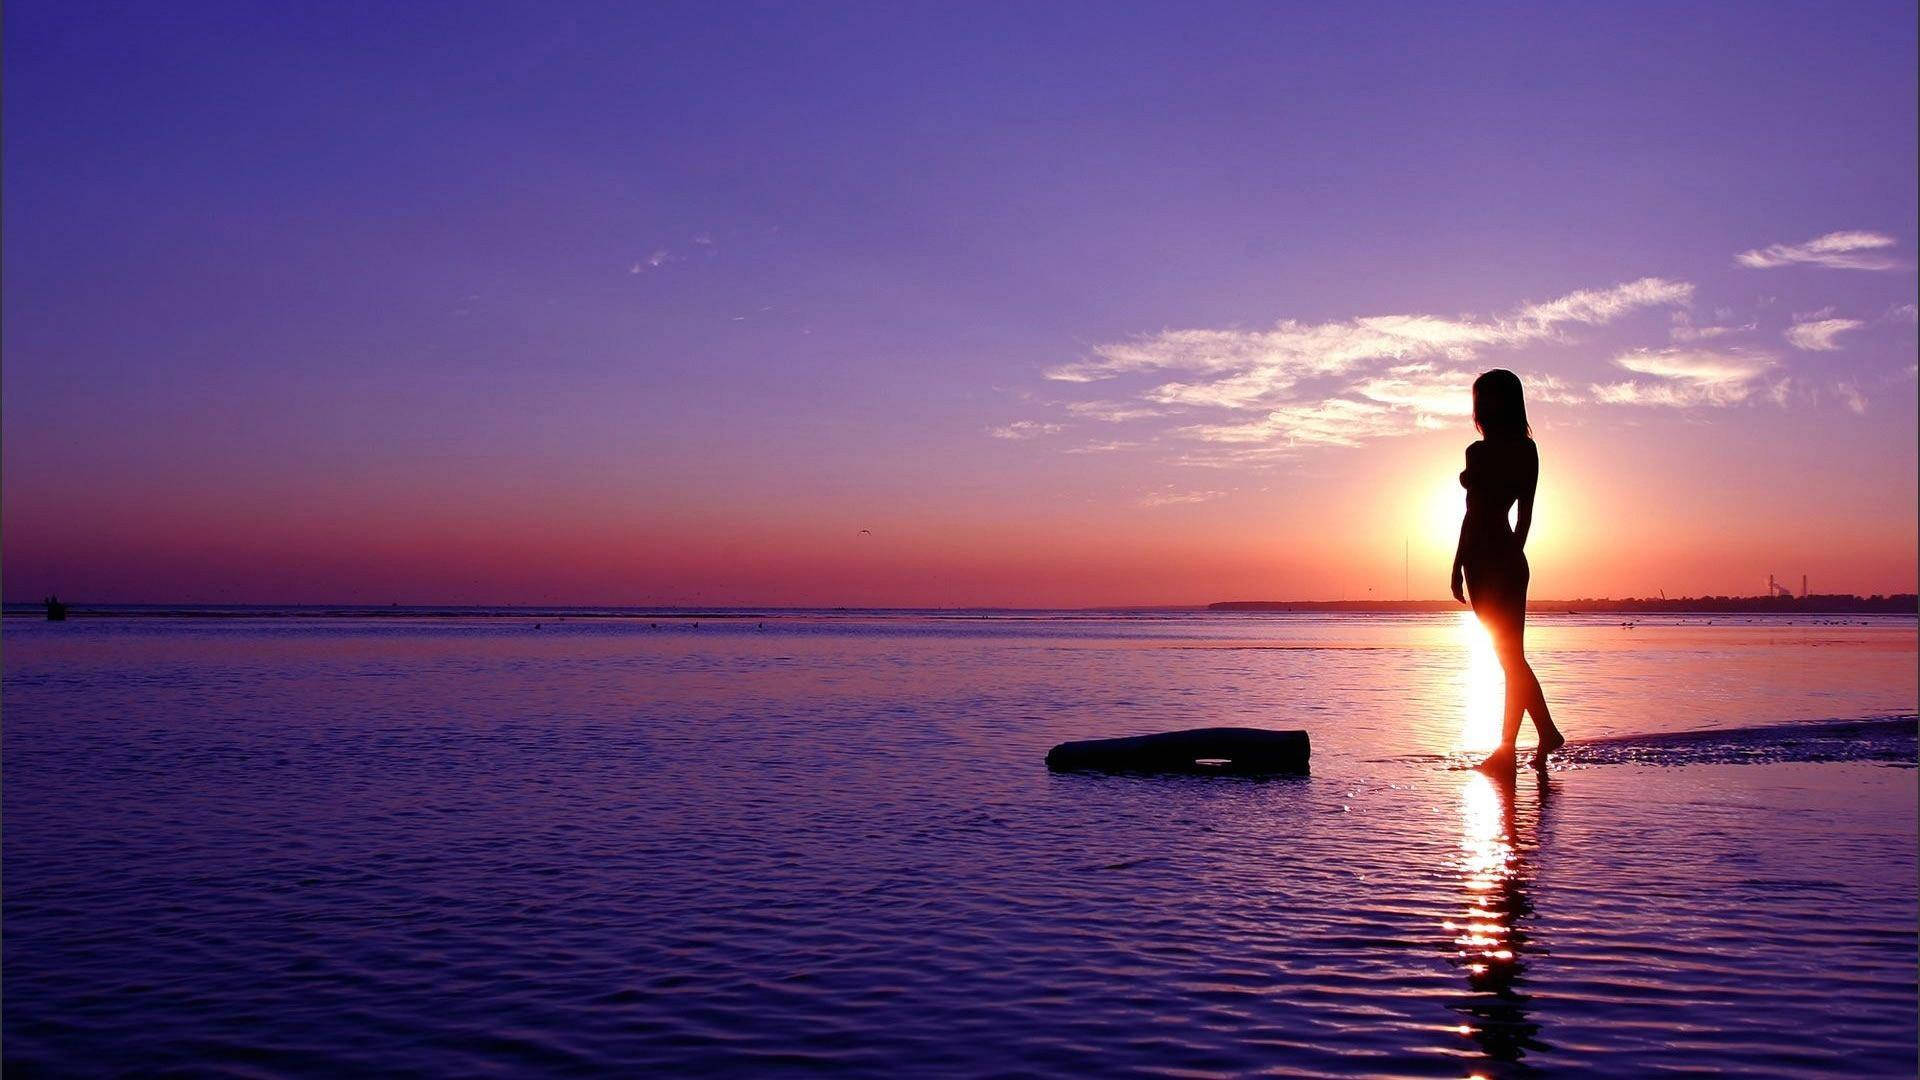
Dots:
{"x": 1497, "y": 475}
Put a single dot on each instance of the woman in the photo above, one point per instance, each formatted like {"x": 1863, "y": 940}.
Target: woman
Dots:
{"x": 1502, "y": 468}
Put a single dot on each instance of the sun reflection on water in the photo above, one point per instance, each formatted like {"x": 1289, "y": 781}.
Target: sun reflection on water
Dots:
{"x": 1488, "y": 940}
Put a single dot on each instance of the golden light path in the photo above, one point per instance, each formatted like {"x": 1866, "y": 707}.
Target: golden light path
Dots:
{"x": 1487, "y": 857}
{"x": 1487, "y": 937}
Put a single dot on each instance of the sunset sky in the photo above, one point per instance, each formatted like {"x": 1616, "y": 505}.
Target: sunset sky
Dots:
{"x": 1069, "y": 305}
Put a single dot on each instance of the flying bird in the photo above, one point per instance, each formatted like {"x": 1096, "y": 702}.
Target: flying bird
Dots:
{"x": 866, "y": 532}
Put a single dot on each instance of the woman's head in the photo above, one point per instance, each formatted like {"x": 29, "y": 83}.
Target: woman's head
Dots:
{"x": 1499, "y": 410}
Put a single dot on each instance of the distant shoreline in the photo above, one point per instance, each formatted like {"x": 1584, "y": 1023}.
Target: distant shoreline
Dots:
{"x": 1841, "y": 604}
{"x": 1899, "y": 604}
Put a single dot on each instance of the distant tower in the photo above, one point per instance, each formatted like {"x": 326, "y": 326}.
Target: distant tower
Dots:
{"x": 1803, "y": 586}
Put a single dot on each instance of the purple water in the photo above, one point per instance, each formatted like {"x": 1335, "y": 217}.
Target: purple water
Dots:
{"x": 458, "y": 846}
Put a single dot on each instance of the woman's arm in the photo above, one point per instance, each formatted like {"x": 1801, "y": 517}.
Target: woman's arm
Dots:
{"x": 1529, "y": 481}
{"x": 1459, "y": 554}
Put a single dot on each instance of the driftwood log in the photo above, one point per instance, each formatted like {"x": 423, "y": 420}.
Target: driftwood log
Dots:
{"x": 1244, "y": 751}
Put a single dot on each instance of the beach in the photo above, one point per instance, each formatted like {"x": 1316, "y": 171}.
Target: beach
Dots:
{"x": 828, "y": 842}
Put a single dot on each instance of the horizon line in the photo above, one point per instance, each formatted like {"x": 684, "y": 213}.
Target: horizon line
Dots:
{"x": 1426, "y": 605}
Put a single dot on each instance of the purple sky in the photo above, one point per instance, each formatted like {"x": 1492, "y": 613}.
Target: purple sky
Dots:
{"x": 1095, "y": 304}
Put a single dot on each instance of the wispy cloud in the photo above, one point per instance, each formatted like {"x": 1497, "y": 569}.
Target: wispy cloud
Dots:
{"x": 1550, "y": 389}
{"x": 1816, "y": 334}
{"x": 1684, "y": 330}
{"x": 1593, "y": 306}
{"x": 1238, "y": 369}
{"x": 1240, "y": 456}
{"x": 1113, "y": 412}
{"x": 1639, "y": 393}
{"x": 1334, "y": 422}
{"x": 1179, "y": 498}
{"x": 1703, "y": 333}
{"x": 1848, "y": 250}
{"x": 1422, "y": 388}
{"x": 654, "y": 261}
{"x": 1238, "y": 399}
{"x": 1339, "y": 383}
{"x": 1687, "y": 377}
{"x": 1024, "y": 429}
{"x": 1850, "y": 394}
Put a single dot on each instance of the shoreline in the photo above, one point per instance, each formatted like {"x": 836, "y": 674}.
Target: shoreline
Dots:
{"x": 1878, "y": 607}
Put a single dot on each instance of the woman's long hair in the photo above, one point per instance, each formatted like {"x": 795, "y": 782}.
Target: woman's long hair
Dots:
{"x": 1499, "y": 409}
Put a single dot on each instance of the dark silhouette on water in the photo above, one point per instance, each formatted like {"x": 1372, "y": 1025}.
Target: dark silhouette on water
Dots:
{"x": 1245, "y": 751}
{"x": 56, "y": 611}
{"x": 1503, "y": 469}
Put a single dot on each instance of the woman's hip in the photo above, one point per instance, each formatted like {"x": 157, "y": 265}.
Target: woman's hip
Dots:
{"x": 1498, "y": 584}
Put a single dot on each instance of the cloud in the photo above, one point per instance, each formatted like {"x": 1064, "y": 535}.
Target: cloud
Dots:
{"x": 1684, "y": 330}
{"x": 1113, "y": 412}
{"x": 1702, "y": 366}
{"x": 1902, "y": 313}
{"x": 1817, "y": 335}
{"x": 1334, "y": 422}
{"x": 1340, "y": 383}
{"x": 1851, "y": 395}
{"x": 1421, "y": 388}
{"x": 1549, "y": 389}
{"x": 1703, "y": 333}
{"x": 1639, "y": 393}
{"x": 1240, "y": 399}
{"x": 660, "y": 257}
{"x": 1177, "y": 498}
{"x": 1247, "y": 368}
{"x": 1220, "y": 456}
{"x": 1849, "y": 250}
{"x": 1593, "y": 306}
{"x": 1689, "y": 377}
{"x": 1024, "y": 429}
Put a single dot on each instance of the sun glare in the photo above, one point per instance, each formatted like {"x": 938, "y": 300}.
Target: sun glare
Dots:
{"x": 1445, "y": 505}
{"x": 1484, "y": 688}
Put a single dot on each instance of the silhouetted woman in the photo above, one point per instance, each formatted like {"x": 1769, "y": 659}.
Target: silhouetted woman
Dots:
{"x": 1502, "y": 469}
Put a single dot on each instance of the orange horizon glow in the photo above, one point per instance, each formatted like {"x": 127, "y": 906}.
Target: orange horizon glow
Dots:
{"x": 1377, "y": 523}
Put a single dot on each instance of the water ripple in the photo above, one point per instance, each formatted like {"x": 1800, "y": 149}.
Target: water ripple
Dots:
{"x": 622, "y": 850}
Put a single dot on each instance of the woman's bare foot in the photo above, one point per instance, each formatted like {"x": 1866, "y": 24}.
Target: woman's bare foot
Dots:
{"x": 1549, "y": 742}
{"x": 1499, "y": 763}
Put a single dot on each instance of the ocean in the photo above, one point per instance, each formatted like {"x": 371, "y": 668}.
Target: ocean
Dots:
{"x": 549, "y": 843}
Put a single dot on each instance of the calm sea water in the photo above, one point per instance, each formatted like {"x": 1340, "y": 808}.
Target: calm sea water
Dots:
{"x": 828, "y": 843}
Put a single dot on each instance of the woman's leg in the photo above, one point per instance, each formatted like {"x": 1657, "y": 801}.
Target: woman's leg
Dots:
{"x": 1497, "y": 616}
{"x": 1549, "y": 737}
{"x": 1532, "y": 696}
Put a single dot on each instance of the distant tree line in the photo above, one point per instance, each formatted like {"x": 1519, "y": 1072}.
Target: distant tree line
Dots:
{"x": 1817, "y": 604}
